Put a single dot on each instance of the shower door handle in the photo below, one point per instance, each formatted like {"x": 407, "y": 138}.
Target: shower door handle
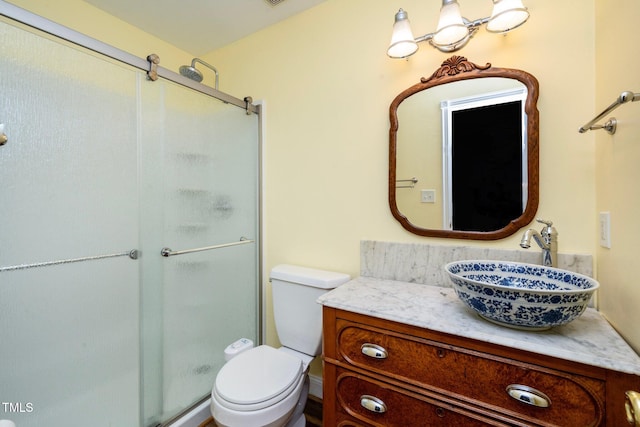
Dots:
{"x": 167, "y": 252}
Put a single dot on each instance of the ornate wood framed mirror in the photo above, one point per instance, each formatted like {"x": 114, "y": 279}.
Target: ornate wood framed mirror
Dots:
{"x": 463, "y": 152}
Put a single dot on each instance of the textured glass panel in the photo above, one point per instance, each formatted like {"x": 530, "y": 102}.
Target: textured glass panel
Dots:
{"x": 70, "y": 344}
{"x": 70, "y": 337}
{"x": 209, "y": 303}
{"x": 200, "y": 162}
{"x": 69, "y": 168}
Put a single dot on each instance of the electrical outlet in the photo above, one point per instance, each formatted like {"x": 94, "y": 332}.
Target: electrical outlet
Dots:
{"x": 428, "y": 196}
{"x": 605, "y": 230}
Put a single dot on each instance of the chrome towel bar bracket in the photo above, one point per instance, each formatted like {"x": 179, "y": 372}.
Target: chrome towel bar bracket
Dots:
{"x": 611, "y": 125}
{"x": 167, "y": 252}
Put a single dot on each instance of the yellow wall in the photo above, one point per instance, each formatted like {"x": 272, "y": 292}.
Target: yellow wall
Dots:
{"x": 617, "y": 165}
{"x": 328, "y": 84}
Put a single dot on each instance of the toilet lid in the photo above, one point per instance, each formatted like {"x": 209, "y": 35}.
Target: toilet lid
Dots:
{"x": 257, "y": 375}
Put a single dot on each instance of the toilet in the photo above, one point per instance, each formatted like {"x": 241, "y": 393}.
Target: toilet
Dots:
{"x": 268, "y": 387}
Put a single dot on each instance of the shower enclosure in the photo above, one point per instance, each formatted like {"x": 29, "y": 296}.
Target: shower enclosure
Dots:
{"x": 129, "y": 231}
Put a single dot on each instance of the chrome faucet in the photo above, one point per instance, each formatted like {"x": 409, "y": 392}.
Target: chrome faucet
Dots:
{"x": 547, "y": 239}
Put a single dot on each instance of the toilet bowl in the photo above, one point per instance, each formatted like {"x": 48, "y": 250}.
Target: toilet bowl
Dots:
{"x": 268, "y": 387}
{"x": 260, "y": 387}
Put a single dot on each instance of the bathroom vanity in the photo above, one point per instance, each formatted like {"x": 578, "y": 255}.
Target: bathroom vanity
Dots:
{"x": 407, "y": 354}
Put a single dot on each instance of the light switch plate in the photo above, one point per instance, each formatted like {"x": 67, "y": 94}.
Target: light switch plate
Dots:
{"x": 428, "y": 196}
{"x": 605, "y": 229}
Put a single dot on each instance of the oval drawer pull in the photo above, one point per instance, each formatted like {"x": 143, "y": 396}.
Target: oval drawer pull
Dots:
{"x": 374, "y": 350}
{"x": 528, "y": 395}
{"x": 3, "y": 137}
{"x": 632, "y": 407}
{"x": 373, "y": 404}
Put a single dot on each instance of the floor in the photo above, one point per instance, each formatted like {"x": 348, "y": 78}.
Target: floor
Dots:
{"x": 312, "y": 411}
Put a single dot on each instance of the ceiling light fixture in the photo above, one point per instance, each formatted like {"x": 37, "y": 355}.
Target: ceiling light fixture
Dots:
{"x": 454, "y": 31}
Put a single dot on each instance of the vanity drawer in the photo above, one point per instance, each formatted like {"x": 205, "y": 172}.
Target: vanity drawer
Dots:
{"x": 375, "y": 403}
{"x": 476, "y": 378}
{"x": 347, "y": 421}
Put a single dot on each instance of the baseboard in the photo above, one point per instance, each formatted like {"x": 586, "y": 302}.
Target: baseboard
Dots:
{"x": 199, "y": 415}
{"x": 315, "y": 386}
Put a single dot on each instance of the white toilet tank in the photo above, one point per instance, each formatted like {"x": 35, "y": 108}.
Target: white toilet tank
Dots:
{"x": 297, "y": 314}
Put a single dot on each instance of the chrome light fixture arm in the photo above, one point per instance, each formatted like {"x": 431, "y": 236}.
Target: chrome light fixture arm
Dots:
{"x": 472, "y": 26}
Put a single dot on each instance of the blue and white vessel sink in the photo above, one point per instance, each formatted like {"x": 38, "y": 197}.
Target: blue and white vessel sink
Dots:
{"x": 522, "y": 296}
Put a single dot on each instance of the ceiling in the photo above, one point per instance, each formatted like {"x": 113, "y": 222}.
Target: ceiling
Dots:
{"x": 200, "y": 26}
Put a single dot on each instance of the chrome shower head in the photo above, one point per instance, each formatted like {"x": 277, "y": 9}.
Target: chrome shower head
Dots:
{"x": 191, "y": 72}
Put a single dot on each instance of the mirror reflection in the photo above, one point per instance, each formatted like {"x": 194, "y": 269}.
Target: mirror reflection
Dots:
{"x": 464, "y": 153}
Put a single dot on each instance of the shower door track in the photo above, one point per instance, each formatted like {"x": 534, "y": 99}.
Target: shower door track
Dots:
{"x": 38, "y": 22}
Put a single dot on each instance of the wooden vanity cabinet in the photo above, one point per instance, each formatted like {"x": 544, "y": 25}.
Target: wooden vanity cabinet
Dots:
{"x": 382, "y": 373}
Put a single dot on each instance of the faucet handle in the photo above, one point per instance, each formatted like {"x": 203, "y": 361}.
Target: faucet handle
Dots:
{"x": 548, "y": 231}
{"x": 545, "y": 222}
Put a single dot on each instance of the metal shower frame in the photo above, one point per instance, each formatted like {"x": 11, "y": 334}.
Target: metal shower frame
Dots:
{"x": 25, "y": 17}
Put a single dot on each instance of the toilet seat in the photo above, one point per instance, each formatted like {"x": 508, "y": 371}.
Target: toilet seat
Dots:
{"x": 257, "y": 378}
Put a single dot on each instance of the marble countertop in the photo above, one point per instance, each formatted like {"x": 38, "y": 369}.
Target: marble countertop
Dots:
{"x": 590, "y": 339}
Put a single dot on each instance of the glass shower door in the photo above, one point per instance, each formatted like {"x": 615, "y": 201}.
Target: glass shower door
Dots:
{"x": 101, "y": 161}
{"x": 69, "y": 331}
{"x": 200, "y": 164}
